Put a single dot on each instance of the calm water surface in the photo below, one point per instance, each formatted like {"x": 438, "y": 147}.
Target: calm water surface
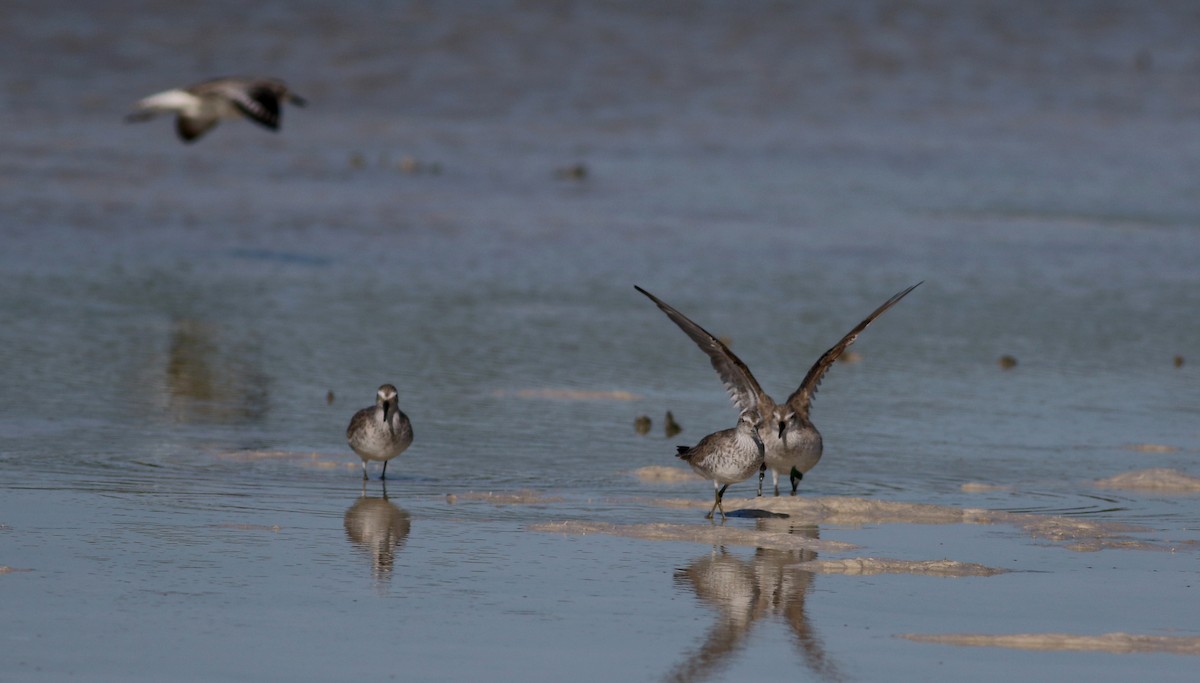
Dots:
{"x": 177, "y": 499}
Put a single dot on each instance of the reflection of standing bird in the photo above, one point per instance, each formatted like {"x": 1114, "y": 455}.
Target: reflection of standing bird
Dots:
{"x": 381, "y": 432}
{"x": 743, "y": 592}
{"x": 727, "y": 583}
{"x": 727, "y": 457}
{"x": 378, "y": 527}
{"x": 793, "y": 444}
{"x": 200, "y": 107}
{"x": 785, "y": 589}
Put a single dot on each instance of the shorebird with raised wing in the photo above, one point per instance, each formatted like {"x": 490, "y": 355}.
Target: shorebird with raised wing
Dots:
{"x": 793, "y": 444}
{"x": 199, "y": 107}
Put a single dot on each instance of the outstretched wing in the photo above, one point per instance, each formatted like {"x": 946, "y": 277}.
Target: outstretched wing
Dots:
{"x": 256, "y": 98}
{"x": 743, "y": 389}
{"x": 800, "y": 400}
{"x": 259, "y": 102}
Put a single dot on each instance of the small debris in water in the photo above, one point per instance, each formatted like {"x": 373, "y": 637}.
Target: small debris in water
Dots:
{"x": 1143, "y": 61}
{"x": 1007, "y": 362}
{"x": 329, "y": 397}
{"x": 642, "y": 424}
{"x": 1179, "y": 361}
{"x": 672, "y": 427}
{"x": 577, "y": 171}
{"x": 410, "y": 165}
{"x": 850, "y": 357}
{"x": 451, "y": 498}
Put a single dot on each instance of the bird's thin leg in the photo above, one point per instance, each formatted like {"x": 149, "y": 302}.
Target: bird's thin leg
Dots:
{"x": 775, "y": 478}
{"x": 364, "y": 470}
{"x": 720, "y": 495}
{"x": 796, "y": 475}
{"x": 383, "y": 474}
{"x": 762, "y": 474}
{"x": 716, "y": 502}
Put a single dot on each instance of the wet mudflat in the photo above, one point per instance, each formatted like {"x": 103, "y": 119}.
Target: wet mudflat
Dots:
{"x": 1009, "y": 483}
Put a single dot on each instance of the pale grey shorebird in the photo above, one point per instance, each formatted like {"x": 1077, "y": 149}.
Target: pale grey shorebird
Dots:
{"x": 727, "y": 457}
{"x": 793, "y": 444}
{"x": 201, "y": 106}
{"x": 380, "y": 432}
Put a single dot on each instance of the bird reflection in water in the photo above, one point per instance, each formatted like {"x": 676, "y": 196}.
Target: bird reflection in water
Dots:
{"x": 209, "y": 379}
{"x": 744, "y": 590}
{"x": 378, "y": 527}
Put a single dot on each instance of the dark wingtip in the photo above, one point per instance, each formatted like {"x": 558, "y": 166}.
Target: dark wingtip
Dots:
{"x": 649, "y": 296}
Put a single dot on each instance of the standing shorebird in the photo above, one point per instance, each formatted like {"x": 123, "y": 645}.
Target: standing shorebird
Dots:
{"x": 793, "y": 444}
{"x": 727, "y": 457}
{"x": 201, "y": 106}
{"x": 380, "y": 432}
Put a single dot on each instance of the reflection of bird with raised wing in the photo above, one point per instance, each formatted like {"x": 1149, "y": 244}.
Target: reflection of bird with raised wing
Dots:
{"x": 793, "y": 444}
{"x": 785, "y": 590}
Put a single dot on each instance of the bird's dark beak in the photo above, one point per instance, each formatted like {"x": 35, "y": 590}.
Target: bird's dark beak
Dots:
{"x": 388, "y": 410}
{"x": 782, "y": 428}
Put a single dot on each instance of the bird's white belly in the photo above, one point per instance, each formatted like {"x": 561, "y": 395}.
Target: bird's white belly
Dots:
{"x": 799, "y": 449}
{"x": 377, "y": 444}
{"x": 740, "y": 461}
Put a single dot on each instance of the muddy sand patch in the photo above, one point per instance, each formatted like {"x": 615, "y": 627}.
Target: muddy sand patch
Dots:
{"x": 708, "y": 534}
{"x": 1076, "y": 533}
{"x": 1068, "y": 642}
{"x": 1156, "y": 479}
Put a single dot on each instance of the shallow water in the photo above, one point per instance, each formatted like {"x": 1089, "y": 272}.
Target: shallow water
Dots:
{"x": 178, "y": 502}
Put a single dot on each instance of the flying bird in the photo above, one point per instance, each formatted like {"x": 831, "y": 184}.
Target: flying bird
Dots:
{"x": 199, "y": 107}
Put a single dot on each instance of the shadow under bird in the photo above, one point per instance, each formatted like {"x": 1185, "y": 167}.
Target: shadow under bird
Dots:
{"x": 380, "y": 432}
{"x": 727, "y": 457}
{"x": 793, "y": 444}
{"x": 199, "y": 107}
